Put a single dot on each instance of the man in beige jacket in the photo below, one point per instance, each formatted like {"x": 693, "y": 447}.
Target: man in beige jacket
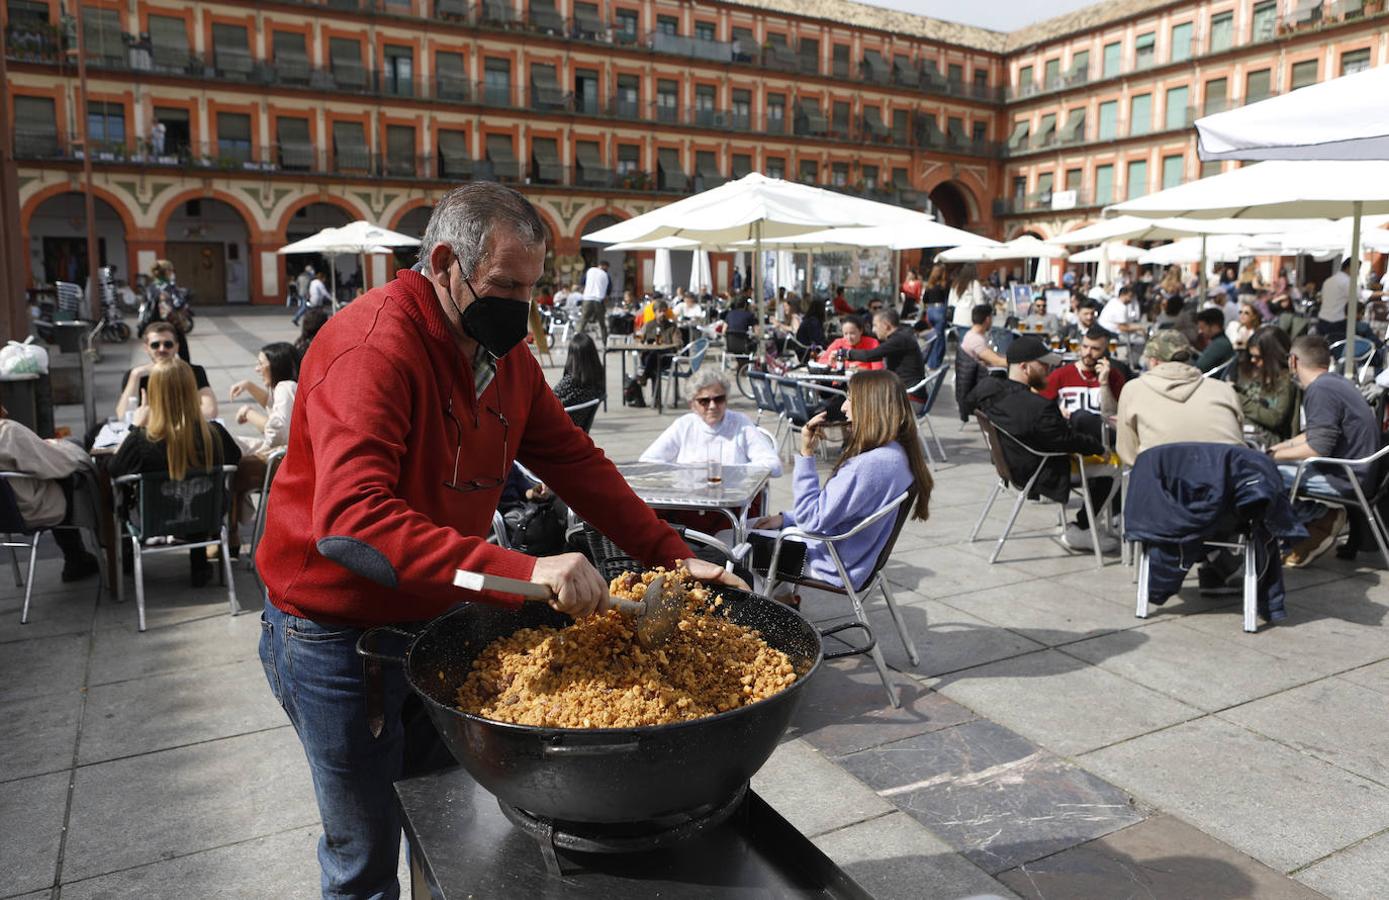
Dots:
{"x": 1171, "y": 402}
{"x": 44, "y": 500}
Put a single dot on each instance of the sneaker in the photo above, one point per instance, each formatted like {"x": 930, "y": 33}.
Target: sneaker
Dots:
{"x": 1076, "y": 538}
{"x": 1321, "y": 534}
{"x": 80, "y": 567}
{"x": 1109, "y": 541}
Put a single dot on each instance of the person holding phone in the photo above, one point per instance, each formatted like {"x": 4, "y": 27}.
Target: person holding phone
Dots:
{"x": 161, "y": 343}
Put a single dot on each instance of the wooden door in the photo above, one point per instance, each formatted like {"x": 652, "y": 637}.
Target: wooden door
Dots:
{"x": 200, "y": 266}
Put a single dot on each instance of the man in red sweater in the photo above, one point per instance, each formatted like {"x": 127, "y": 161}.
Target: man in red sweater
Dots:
{"x": 413, "y": 403}
{"x": 1091, "y": 383}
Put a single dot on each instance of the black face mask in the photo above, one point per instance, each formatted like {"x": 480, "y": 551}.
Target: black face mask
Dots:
{"x": 497, "y": 323}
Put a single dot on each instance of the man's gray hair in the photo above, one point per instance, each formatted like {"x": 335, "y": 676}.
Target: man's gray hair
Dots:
{"x": 466, "y": 217}
{"x": 707, "y": 377}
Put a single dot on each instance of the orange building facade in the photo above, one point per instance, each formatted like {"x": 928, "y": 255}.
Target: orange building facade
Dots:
{"x": 219, "y": 132}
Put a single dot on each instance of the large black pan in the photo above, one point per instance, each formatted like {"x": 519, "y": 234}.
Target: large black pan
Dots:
{"x": 605, "y": 774}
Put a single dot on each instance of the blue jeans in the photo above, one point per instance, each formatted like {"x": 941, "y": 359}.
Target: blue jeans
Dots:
{"x": 935, "y": 314}
{"x": 1312, "y": 482}
{"x": 299, "y": 313}
{"x": 317, "y": 676}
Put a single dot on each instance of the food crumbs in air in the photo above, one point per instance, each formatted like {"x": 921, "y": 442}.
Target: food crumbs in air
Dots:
{"x": 594, "y": 674}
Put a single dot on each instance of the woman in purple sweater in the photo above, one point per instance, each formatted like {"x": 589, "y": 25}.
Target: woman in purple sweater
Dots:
{"x": 882, "y": 458}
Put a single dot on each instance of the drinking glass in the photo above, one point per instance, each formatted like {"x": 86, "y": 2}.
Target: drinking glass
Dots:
{"x": 715, "y": 466}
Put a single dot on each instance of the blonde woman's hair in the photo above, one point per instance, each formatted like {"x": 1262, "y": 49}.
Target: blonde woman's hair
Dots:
{"x": 881, "y": 414}
{"x": 176, "y": 418}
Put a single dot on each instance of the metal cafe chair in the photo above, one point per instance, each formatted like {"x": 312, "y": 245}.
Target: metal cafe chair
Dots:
{"x": 683, "y": 365}
{"x": 1364, "y": 357}
{"x": 1222, "y": 371}
{"x": 900, "y": 506}
{"x": 931, "y": 384}
{"x": 583, "y": 414}
{"x": 272, "y": 465}
{"x": 764, "y": 395}
{"x": 1300, "y": 491}
{"x": 12, "y": 523}
{"x": 993, "y": 439}
{"x": 181, "y": 512}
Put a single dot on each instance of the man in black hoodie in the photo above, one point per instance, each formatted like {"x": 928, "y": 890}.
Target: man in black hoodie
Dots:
{"x": 1014, "y": 406}
{"x": 897, "y": 348}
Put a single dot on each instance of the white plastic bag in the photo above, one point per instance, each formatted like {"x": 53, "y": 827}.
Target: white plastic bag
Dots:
{"x": 23, "y": 359}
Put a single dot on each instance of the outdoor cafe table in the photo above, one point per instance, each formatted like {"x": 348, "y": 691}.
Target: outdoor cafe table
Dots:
{"x": 686, "y": 487}
{"x": 623, "y": 346}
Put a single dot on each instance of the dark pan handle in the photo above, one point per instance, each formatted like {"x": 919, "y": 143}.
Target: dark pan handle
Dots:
{"x": 623, "y": 748}
{"x": 851, "y": 650}
{"x": 369, "y": 636}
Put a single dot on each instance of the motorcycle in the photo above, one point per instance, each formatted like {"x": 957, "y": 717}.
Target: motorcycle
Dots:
{"x": 112, "y": 327}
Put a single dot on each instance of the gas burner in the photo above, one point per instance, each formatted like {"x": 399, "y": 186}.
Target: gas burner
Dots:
{"x": 619, "y": 837}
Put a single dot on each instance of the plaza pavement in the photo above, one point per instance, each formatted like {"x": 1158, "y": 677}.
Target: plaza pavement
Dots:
{"x": 1050, "y": 743}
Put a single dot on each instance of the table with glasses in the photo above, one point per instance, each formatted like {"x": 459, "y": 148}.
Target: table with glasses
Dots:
{"x": 629, "y": 345}
{"x": 679, "y": 486}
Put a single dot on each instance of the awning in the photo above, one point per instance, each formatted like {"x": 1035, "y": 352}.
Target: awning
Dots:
{"x": 545, "y": 152}
{"x": 926, "y": 122}
{"x": 453, "y": 153}
{"x": 1048, "y": 128}
{"x": 350, "y": 145}
{"x": 452, "y": 76}
{"x": 672, "y": 173}
{"x": 814, "y": 119}
{"x": 1019, "y": 136}
{"x": 1075, "y": 125}
{"x": 873, "y": 121}
{"x": 955, "y": 128}
{"x": 899, "y": 180}
{"x": 876, "y": 66}
{"x": 707, "y": 165}
{"x": 588, "y": 155}
{"x": 499, "y": 151}
{"x": 903, "y": 71}
{"x": 169, "y": 42}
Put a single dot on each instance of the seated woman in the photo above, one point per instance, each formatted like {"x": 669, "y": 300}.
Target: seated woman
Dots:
{"x": 170, "y": 435}
{"x": 882, "y": 458}
{"x": 582, "y": 381}
{"x": 851, "y": 337}
{"x": 1267, "y": 393}
{"x": 277, "y": 364}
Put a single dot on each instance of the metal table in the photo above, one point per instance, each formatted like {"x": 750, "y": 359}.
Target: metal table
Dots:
{"x": 676, "y": 486}
{"x": 622, "y": 348}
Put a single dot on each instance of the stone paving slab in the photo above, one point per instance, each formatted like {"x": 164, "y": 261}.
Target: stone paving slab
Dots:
{"x": 32, "y": 812}
{"x": 995, "y": 796}
{"x": 229, "y": 790}
{"x": 39, "y": 736}
{"x": 1280, "y": 806}
{"x": 215, "y": 638}
{"x": 1024, "y": 693}
{"x": 1039, "y": 607}
{"x": 1375, "y": 677}
{"x": 798, "y": 776}
{"x": 895, "y": 857}
{"x": 1162, "y": 857}
{"x": 1356, "y": 873}
{"x": 48, "y": 665}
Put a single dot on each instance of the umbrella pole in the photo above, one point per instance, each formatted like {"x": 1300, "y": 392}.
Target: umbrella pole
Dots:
{"x": 1201, "y": 275}
{"x": 333, "y": 277}
{"x": 1349, "y": 352}
{"x": 757, "y": 284}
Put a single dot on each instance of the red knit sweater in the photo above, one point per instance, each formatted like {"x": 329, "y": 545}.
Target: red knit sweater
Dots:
{"x": 361, "y": 529}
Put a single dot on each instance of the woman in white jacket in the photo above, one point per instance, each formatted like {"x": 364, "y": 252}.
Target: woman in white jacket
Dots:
{"x": 965, "y": 293}
{"x": 277, "y": 364}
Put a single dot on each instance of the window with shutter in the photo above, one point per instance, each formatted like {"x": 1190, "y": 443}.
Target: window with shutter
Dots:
{"x": 809, "y": 171}
{"x": 1140, "y": 114}
{"x": 1215, "y": 95}
{"x": 1113, "y": 56}
{"x": 102, "y": 34}
{"x": 705, "y": 113}
{"x": 742, "y": 110}
{"x": 707, "y": 168}
{"x": 1051, "y": 74}
{"x": 1222, "y": 31}
{"x": 1172, "y": 167}
{"x": 453, "y": 154}
{"x": 742, "y": 164}
{"x": 234, "y": 137}
{"x": 776, "y": 113}
{"x": 1257, "y": 85}
{"x": 1145, "y": 50}
{"x": 1109, "y": 120}
{"x": 497, "y": 81}
{"x": 870, "y": 177}
{"x": 591, "y": 171}
{"x": 1017, "y": 140}
{"x": 350, "y": 151}
{"x": 502, "y": 158}
{"x": 451, "y": 76}
{"x": 667, "y": 100}
{"x": 345, "y": 55}
{"x": 1104, "y": 185}
{"x": 291, "y": 57}
{"x": 1137, "y": 178}
{"x": 1047, "y": 132}
{"x": 628, "y": 159}
{"x": 776, "y": 167}
{"x": 231, "y": 51}
{"x": 546, "y": 93}
{"x": 1304, "y": 73}
{"x": 1178, "y": 114}
{"x": 670, "y": 175}
{"x": 1080, "y": 66}
{"x": 1181, "y": 42}
{"x": 547, "y": 168}
{"x": 628, "y": 105}
{"x": 105, "y": 126}
{"x": 398, "y": 70}
{"x": 1355, "y": 61}
{"x": 35, "y": 127}
{"x": 400, "y": 150}
{"x": 1075, "y": 126}
{"x": 296, "y": 150}
{"x": 169, "y": 43}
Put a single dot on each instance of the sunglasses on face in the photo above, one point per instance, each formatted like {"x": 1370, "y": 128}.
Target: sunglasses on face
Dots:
{"x": 162, "y": 345}
{"x": 707, "y": 402}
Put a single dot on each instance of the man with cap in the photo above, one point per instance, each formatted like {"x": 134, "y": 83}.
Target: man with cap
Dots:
{"x": 1171, "y": 402}
{"x": 1016, "y": 406}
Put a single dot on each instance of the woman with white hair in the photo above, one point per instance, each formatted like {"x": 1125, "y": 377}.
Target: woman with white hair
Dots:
{"x": 711, "y": 426}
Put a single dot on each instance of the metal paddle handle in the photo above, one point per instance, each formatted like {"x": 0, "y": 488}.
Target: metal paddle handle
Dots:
{"x": 530, "y": 590}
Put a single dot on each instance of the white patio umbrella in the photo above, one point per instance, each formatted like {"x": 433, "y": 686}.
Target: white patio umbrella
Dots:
{"x": 1344, "y": 118}
{"x": 1113, "y": 252}
{"x": 915, "y": 231}
{"x": 355, "y": 238}
{"x": 661, "y": 278}
{"x": 753, "y": 208}
{"x": 1289, "y": 189}
{"x": 700, "y": 274}
{"x": 1223, "y": 248}
{"x": 1025, "y": 247}
{"x": 665, "y": 243}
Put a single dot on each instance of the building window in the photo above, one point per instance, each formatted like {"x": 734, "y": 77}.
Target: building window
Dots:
{"x": 628, "y": 159}
{"x": 625, "y": 26}
{"x": 101, "y": 30}
{"x": 545, "y": 161}
{"x": 453, "y": 154}
{"x": 1019, "y": 188}
{"x": 1073, "y": 179}
{"x": 808, "y": 52}
{"x": 1113, "y": 57}
{"x": 1216, "y": 93}
{"x": 839, "y": 174}
{"x": 1104, "y": 185}
{"x": 400, "y": 150}
{"x": 1026, "y": 83}
{"x": 1181, "y": 42}
{"x": 870, "y": 177}
{"x": 742, "y": 111}
{"x": 1264, "y": 21}
{"x": 1145, "y": 50}
{"x": 841, "y": 60}
{"x": 667, "y": 100}
{"x": 1304, "y": 73}
{"x": 742, "y": 164}
{"x": 586, "y": 87}
{"x": 1109, "y": 120}
{"x": 667, "y": 25}
{"x": 1140, "y": 114}
{"x": 1045, "y": 181}
{"x": 545, "y": 90}
{"x": 1051, "y": 74}
{"x": 776, "y": 114}
{"x": 1222, "y": 31}
{"x": 1137, "y": 178}
{"x": 398, "y": 70}
{"x": 231, "y": 53}
{"x": 168, "y": 42}
{"x": 705, "y": 113}
{"x": 981, "y": 78}
{"x": 350, "y": 147}
{"x": 497, "y": 81}
{"x": 839, "y": 118}
{"x": 776, "y": 167}
{"x": 345, "y": 55}
{"x": 1210, "y": 167}
{"x": 705, "y": 31}
{"x": 501, "y": 157}
{"x": 1355, "y": 61}
{"x": 955, "y": 73}
{"x": 980, "y": 132}
{"x": 106, "y": 125}
{"x": 1080, "y": 66}
{"x": 296, "y": 150}
{"x": 1178, "y": 116}
{"x": 1172, "y": 167}
{"x": 1017, "y": 140}
{"x": 809, "y": 171}
{"x": 1046, "y": 134}
{"x": 35, "y": 127}
{"x": 233, "y": 137}
{"x": 901, "y": 125}
{"x": 1257, "y": 85}
{"x": 1075, "y": 126}
{"x": 628, "y": 101}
